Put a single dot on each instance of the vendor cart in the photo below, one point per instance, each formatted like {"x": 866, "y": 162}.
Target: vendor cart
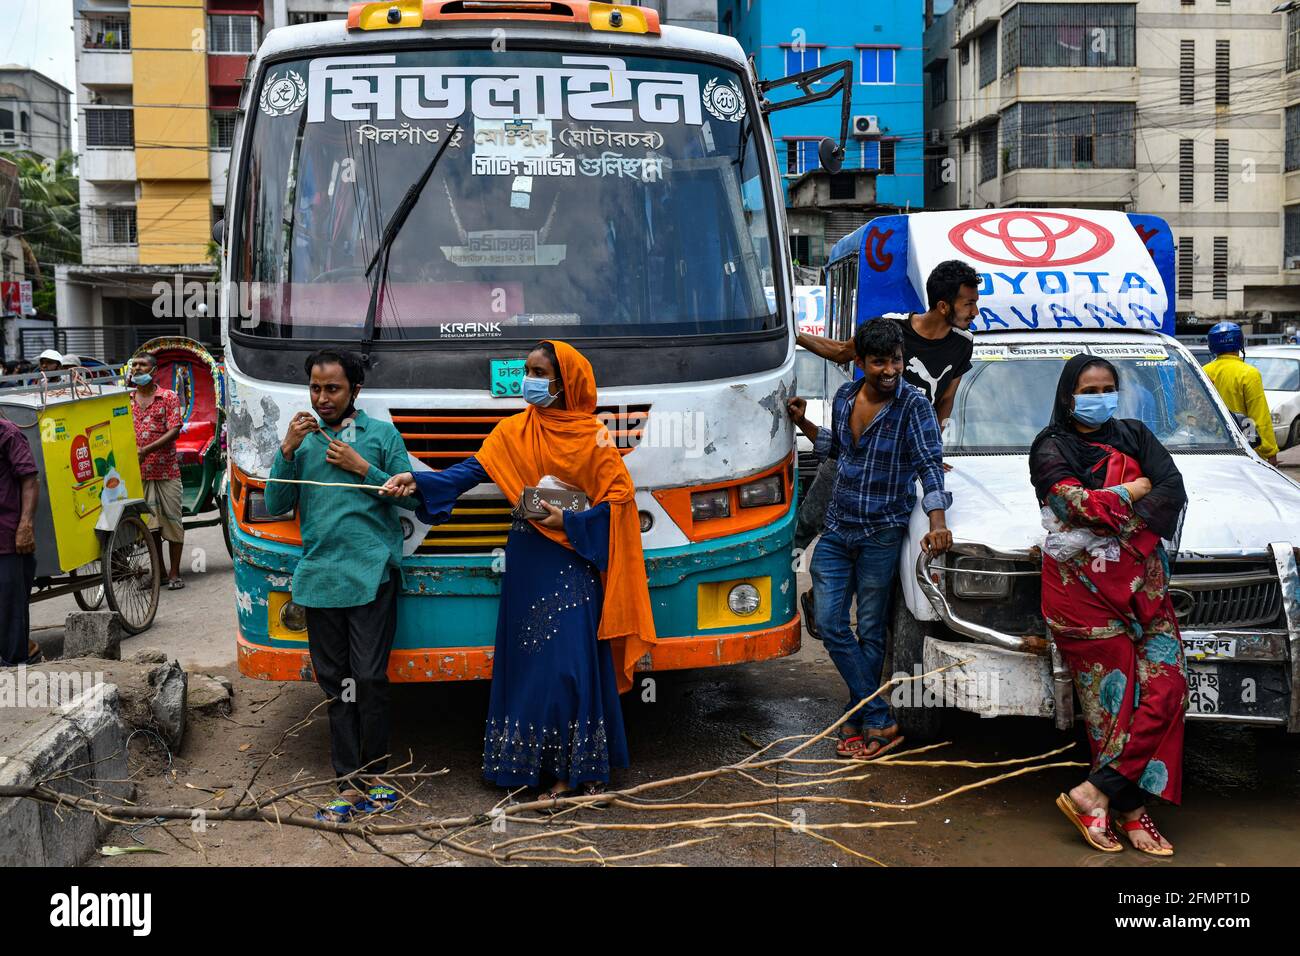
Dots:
{"x": 92, "y": 540}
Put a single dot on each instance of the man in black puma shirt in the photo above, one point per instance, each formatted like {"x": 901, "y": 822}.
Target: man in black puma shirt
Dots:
{"x": 937, "y": 349}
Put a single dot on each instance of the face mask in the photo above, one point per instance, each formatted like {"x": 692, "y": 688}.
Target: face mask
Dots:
{"x": 1096, "y": 409}
{"x": 537, "y": 391}
{"x": 142, "y": 380}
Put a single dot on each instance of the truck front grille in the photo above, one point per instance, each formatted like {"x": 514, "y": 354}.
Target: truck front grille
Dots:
{"x": 1249, "y": 596}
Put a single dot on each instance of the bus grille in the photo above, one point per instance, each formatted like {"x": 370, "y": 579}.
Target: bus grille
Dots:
{"x": 444, "y": 437}
{"x": 1250, "y": 598}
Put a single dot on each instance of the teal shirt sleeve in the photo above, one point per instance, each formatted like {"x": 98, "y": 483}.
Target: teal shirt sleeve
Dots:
{"x": 281, "y": 499}
{"x": 393, "y": 461}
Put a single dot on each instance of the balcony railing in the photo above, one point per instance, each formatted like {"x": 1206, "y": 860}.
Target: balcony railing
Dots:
{"x": 106, "y": 34}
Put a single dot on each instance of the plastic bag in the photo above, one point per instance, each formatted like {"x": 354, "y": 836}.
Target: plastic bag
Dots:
{"x": 1064, "y": 545}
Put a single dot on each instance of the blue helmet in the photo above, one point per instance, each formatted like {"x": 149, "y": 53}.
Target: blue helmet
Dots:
{"x": 1226, "y": 337}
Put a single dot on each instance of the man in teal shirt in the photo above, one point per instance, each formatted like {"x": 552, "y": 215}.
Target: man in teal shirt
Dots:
{"x": 350, "y": 572}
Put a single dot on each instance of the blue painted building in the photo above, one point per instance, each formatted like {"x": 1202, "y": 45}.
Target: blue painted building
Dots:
{"x": 883, "y": 166}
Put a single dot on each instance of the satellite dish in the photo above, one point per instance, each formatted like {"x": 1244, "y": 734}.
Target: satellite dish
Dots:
{"x": 830, "y": 155}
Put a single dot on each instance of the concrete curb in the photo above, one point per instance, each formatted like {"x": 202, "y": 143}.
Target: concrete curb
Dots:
{"x": 83, "y": 742}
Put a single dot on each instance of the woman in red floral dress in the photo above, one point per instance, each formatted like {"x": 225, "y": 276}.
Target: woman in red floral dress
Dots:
{"x": 1110, "y": 494}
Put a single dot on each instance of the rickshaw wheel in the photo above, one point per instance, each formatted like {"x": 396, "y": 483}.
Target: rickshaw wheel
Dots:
{"x": 132, "y": 574}
{"x": 90, "y": 599}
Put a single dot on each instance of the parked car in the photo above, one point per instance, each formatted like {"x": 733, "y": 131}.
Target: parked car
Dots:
{"x": 1279, "y": 366}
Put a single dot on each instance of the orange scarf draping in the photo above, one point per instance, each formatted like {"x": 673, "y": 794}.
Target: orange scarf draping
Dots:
{"x": 574, "y": 446}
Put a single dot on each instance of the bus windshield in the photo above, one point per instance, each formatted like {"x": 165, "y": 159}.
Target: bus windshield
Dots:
{"x": 583, "y": 196}
{"x": 1006, "y": 399}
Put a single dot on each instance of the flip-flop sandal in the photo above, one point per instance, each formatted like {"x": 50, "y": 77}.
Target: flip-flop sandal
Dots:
{"x": 884, "y": 746}
{"x": 1145, "y": 822}
{"x": 337, "y": 811}
{"x": 379, "y": 799}
{"x": 1085, "y": 822}
{"x": 175, "y": 584}
{"x": 846, "y": 746}
{"x": 34, "y": 656}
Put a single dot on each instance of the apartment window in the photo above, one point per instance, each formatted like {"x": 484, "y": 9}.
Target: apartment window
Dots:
{"x": 965, "y": 144}
{"x": 988, "y": 42}
{"x": 1292, "y": 138}
{"x": 1069, "y": 34}
{"x": 1186, "y": 170}
{"x": 1187, "y": 72}
{"x": 1220, "y": 267}
{"x": 110, "y": 127}
{"x": 988, "y": 145}
{"x": 876, "y": 65}
{"x": 1220, "y": 170}
{"x": 1221, "y": 72}
{"x": 963, "y": 54}
{"x": 232, "y": 33}
{"x": 106, "y": 33}
{"x": 1186, "y": 257}
{"x": 221, "y": 129}
{"x": 843, "y": 186}
{"x": 797, "y": 61}
{"x": 1292, "y": 40}
{"x": 115, "y": 226}
{"x": 801, "y": 156}
{"x": 1069, "y": 136}
{"x": 869, "y": 153}
{"x": 801, "y": 249}
{"x": 1291, "y": 238}
{"x": 939, "y": 84}
{"x": 887, "y": 157}
{"x": 295, "y": 18}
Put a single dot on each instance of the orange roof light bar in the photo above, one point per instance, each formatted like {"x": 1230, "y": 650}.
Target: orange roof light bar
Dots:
{"x": 405, "y": 14}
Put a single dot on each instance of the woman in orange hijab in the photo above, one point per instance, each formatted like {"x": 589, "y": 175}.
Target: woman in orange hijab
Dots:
{"x": 575, "y": 607}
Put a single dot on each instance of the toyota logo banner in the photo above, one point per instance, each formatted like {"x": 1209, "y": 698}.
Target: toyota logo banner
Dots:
{"x": 1050, "y": 269}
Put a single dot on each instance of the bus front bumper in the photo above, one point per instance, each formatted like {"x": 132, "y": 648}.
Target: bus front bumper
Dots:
{"x": 475, "y": 663}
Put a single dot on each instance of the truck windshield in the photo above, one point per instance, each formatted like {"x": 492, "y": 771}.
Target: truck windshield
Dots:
{"x": 1007, "y": 397}
{"x": 583, "y": 196}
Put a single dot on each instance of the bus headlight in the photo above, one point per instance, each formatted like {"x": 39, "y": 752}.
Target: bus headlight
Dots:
{"x": 969, "y": 583}
{"x": 647, "y": 520}
{"x": 765, "y": 491}
{"x": 743, "y": 599}
{"x": 257, "y": 508}
{"x": 710, "y": 504}
{"x": 293, "y": 617}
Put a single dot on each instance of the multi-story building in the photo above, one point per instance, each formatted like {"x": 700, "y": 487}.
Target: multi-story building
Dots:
{"x": 15, "y": 289}
{"x": 35, "y": 113}
{"x": 883, "y": 166}
{"x": 158, "y": 84}
{"x": 695, "y": 14}
{"x": 1172, "y": 107}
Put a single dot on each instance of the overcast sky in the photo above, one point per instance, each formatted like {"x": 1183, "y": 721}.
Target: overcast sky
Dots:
{"x": 40, "y": 37}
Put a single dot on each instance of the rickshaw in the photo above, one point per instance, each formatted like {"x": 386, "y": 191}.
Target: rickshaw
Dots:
{"x": 191, "y": 371}
{"x": 92, "y": 539}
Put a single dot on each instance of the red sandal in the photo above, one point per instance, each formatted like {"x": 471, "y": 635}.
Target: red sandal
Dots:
{"x": 849, "y": 745}
{"x": 1086, "y": 822}
{"x": 1145, "y": 822}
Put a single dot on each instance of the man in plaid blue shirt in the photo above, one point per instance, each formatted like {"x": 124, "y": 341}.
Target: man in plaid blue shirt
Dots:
{"x": 884, "y": 435}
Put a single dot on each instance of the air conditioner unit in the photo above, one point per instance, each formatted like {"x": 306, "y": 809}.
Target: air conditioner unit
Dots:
{"x": 13, "y": 218}
{"x": 934, "y": 137}
{"x": 865, "y": 126}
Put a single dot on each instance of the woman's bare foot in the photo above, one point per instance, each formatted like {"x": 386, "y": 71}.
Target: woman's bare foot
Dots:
{"x": 1090, "y": 801}
{"x": 1139, "y": 836}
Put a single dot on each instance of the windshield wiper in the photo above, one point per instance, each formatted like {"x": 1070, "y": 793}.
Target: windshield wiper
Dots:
{"x": 391, "y": 229}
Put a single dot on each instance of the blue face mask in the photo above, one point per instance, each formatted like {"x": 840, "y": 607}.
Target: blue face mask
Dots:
{"x": 537, "y": 391}
{"x": 142, "y": 380}
{"x": 1096, "y": 409}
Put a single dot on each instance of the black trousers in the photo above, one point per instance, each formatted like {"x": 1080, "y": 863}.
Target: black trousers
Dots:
{"x": 349, "y": 652}
{"x": 1124, "y": 794}
{"x": 17, "y": 572}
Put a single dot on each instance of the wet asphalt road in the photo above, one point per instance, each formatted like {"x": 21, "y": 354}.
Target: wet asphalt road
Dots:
{"x": 1241, "y": 784}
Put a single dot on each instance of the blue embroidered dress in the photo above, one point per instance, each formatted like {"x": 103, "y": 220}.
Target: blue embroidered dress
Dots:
{"x": 554, "y": 710}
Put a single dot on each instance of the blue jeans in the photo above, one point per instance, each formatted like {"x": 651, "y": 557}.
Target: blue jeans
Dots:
{"x": 841, "y": 573}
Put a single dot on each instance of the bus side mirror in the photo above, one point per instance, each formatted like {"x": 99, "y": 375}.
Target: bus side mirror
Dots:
{"x": 218, "y": 231}
{"x": 1246, "y": 425}
{"x": 831, "y": 155}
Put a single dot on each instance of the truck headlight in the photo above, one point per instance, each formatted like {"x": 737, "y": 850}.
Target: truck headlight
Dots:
{"x": 710, "y": 504}
{"x": 765, "y": 491}
{"x": 293, "y": 617}
{"x": 257, "y": 508}
{"x": 968, "y": 582}
{"x": 743, "y": 599}
{"x": 1277, "y": 418}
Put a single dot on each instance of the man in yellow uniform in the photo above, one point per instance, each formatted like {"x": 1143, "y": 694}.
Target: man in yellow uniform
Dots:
{"x": 1240, "y": 385}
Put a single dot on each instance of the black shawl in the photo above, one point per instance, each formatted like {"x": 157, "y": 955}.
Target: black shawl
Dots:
{"x": 1060, "y": 452}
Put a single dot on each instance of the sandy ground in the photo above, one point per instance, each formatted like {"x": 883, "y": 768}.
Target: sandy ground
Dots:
{"x": 1241, "y": 784}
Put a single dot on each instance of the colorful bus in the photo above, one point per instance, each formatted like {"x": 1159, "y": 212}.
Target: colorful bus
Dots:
{"x": 571, "y": 170}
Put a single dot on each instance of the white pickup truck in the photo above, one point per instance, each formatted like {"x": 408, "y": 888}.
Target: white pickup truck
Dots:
{"x": 1235, "y": 586}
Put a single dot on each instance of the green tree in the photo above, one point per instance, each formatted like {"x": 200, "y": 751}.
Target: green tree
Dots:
{"x": 51, "y": 233}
